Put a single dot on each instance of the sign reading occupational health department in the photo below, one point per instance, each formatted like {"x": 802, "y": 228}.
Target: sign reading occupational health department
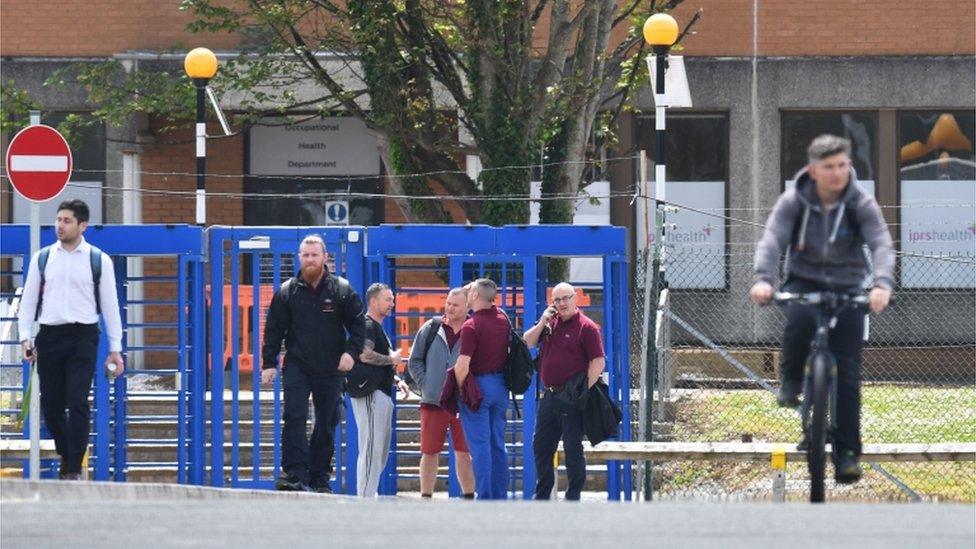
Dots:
{"x": 938, "y": 219}
{"x": 340, "y": 146}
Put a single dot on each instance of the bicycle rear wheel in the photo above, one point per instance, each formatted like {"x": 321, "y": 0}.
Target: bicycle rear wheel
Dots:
{"x": 817, "y": 428}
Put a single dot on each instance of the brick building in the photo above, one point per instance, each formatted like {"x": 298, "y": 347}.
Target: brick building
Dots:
{"x": 765, "y": 76}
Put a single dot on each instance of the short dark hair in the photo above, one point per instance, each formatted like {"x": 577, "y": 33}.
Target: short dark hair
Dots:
{"x": 78, "y": 208}
{"x": 374, "y": 290}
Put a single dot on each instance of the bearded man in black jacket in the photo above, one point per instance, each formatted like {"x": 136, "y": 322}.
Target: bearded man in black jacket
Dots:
{"x": 320, "y": 318}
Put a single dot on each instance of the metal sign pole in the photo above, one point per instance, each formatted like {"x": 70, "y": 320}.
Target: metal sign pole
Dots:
{"x": 34, "y": 415}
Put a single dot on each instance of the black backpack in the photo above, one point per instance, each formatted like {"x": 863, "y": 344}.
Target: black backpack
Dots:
{"x": 519, "y": 365}
{"x": 363, "y": 379}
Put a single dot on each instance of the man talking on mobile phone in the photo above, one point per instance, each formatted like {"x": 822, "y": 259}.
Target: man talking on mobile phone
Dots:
{"x": 572, "y": 349}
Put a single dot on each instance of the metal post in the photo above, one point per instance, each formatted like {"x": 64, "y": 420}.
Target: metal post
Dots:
{"x": 201, "y": 130}
{"x": 644, "y": 418}
{"x": 34, "y": 417}
{"x": 657, "y": 265}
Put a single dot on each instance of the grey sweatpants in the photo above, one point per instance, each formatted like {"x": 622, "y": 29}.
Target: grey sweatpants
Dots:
{"x": 374, "y": 420}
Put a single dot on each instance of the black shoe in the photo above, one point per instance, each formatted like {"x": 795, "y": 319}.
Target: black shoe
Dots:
{"x": 69, "y": 476}
{"x": 321, "y": 486}
{"x": 288, "y": 483}
{"x": 789, "y": 393}
{"x": 804, "y": 443}
{"x": 847, "y": 468}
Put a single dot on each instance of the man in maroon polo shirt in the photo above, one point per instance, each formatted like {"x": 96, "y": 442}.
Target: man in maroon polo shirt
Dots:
{"x": 484, "y": 348}
{"x": 572, "y": 348}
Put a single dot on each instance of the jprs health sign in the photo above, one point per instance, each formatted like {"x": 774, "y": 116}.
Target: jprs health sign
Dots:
{"x": 325, "y": 146}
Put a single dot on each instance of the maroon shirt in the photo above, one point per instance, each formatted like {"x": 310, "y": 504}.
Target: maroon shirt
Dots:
{"x": 450, "y": 334}
{"x": 570, "y": 348}
{"x": 484, "y": 338}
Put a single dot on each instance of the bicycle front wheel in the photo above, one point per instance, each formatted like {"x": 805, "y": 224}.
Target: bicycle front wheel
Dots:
{"x": 817, "y": 428}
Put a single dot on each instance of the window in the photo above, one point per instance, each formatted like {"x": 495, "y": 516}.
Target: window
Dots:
{"x": 800, "y": 128}
{"x": 697, "y": 150}
{"x": 937, "y": 187}
{"x": 315, "y": 164}
{"x": 307, "y": 200}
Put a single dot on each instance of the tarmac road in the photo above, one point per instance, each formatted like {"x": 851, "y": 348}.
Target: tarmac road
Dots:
{"x": 58, "y": 515}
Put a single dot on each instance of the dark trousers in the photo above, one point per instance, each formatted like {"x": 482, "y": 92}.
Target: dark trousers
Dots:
{"x": 554, "y": 420}
{"x": 309, "y": 461}
{"x": 66, "y": 357}
{"x": 846, "y": 342}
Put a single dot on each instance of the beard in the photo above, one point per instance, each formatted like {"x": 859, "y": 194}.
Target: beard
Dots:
{"x": 312, "y": 273}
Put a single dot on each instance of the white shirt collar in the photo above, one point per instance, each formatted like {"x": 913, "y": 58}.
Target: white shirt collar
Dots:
{"x": 83, "y": 246}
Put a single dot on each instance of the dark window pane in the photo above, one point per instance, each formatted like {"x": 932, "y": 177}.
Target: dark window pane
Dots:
{"x": 87, "y": 147}
{"x": 800, "y": 128}
{"x": 300, "y": 202}
{"x": 936, "y": 145}
{"x": 937, "y": 198}
{"x": 696, "y": 148}
{"x": 697, "y": 173}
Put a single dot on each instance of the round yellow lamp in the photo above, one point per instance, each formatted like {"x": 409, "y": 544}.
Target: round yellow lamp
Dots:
{"x": 200, "y": 63}
{"x": 660, "y": 30}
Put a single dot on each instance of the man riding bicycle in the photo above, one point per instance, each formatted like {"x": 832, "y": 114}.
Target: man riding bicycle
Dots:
{"x": 823, "y": 223}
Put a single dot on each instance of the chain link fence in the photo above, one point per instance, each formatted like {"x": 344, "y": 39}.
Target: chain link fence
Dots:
{"x": 718, "y": 366}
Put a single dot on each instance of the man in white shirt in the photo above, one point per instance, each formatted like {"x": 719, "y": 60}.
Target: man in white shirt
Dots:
{"x": 63, "y": 300}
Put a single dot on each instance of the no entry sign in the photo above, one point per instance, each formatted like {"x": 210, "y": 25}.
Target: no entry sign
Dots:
{"x": 38, "y": 163}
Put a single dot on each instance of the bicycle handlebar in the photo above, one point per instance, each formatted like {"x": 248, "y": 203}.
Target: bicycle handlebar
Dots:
{"x": 816, "y": 298}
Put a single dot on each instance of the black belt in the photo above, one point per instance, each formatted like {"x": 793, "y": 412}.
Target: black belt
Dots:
{"x": 555, "y": 388}
{"x": 71, "y": 325}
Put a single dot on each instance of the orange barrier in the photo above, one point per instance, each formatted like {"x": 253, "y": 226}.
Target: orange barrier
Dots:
{"x": 416, "y": 307}
{"x": 245, "y": 305}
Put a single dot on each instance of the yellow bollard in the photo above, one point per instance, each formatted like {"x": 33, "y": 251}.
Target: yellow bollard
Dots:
{"x": 777, "y": 460}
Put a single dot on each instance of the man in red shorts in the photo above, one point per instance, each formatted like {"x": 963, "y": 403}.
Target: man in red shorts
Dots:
{"x": 428, "y": 366}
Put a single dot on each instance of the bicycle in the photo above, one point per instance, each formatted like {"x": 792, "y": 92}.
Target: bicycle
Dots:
{"x": 818, "y": 410}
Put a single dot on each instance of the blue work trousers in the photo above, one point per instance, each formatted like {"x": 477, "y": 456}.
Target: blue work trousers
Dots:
{"x": 484, "y": 431}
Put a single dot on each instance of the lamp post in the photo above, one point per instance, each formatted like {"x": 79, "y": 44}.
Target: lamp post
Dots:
{"x": 201, "y": 65}
{"x": 660, "y": 32}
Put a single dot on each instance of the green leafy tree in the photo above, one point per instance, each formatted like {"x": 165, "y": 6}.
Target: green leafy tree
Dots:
{"x": 420, "y": 73}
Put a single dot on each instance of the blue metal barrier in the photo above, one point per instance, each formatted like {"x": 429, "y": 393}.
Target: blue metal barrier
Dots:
{"x": 110, "y": 434}
{"x": 267, "y": 255}
{"x": 514, "y": 256}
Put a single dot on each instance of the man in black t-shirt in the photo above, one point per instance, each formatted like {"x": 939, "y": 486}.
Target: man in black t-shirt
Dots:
{"x": 370, "y": 384}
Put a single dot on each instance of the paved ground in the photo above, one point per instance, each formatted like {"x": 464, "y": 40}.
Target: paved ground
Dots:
{"x": 58, "y": 515}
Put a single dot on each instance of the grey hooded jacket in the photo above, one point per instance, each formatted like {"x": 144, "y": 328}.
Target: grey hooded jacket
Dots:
{"x": 429, "y": 371}
{"x": 826, "y": 246}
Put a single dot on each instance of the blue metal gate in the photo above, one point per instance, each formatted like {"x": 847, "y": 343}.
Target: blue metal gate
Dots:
{"x": 165, "y": 304}
{"x": 515, "y": 258}
{"x": 247, "y": 264}
{"x": 162, "y": 339}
